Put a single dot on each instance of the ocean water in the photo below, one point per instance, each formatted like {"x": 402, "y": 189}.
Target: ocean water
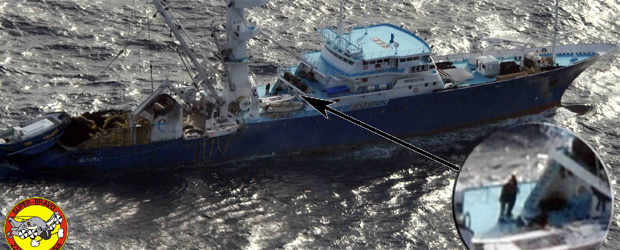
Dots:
{"x": 53, "y": 55}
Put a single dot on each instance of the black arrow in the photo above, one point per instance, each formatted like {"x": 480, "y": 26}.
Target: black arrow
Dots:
{"x": 322, "y": 106}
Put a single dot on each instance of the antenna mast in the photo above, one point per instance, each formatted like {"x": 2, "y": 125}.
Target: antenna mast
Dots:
{"x": 238, "y": 32}
{"x": 555, "y": 31}
{"x": 341, "y": 18}
{"x": 340, "y": 23}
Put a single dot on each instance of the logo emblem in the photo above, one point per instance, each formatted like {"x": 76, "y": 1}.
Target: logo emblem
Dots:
{"x": 36, "y": 223}
{"x": 161, "y": 124}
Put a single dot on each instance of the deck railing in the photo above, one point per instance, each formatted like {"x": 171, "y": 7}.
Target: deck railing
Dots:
{"x": 340, "y": 43}
{"x": 570, "y": 49}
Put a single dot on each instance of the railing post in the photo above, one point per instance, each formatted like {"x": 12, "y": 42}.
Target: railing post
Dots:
{"x": 132, "y": 128}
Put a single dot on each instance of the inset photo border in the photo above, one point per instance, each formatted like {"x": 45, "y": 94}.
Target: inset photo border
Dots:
{"x": 533, "y": 186}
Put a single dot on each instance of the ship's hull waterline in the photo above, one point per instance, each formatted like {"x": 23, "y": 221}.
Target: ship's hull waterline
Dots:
{"x": 408, "y": 116}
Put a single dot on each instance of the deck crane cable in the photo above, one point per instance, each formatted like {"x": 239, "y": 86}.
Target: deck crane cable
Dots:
{"x": 179, "y": 52}
{"x": 204, "y": 72}
{"x": 187, "y": 69}
{"x": 148, "y": 24}
{"x": 123, "y": 50}
{"x": 291, "y": 53}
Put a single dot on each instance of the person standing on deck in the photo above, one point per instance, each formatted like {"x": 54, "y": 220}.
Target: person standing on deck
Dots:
{"x": 508, "y": 197}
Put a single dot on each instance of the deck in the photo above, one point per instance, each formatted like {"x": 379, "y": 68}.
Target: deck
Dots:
{"x": 375, "y": 41}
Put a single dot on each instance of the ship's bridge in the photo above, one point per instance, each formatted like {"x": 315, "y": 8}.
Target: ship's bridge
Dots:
{"x": 371, "y": 44}
{"x": 369, "y": 59}
{"x": 387, "y": 40}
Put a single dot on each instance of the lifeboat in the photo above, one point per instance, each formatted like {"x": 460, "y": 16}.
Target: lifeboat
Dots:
{"x": 280, "y": 104}
{"x": 35, "y": 136}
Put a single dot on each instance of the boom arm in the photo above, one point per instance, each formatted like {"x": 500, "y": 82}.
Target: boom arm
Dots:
{"x": 202, "y": 71}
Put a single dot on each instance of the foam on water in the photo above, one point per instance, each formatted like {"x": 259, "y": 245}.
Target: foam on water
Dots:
{"x": 377, "y": 196}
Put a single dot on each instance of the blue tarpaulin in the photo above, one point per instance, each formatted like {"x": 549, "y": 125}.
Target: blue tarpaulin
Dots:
{"x": 337, "y": 90}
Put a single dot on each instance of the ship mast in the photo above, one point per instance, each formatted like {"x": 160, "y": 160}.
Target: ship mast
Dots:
{"x": 555, "y": 31}
{"x": 341, "y": 19}
{"x": 238, "y": 91}
{"x": 238, "y": 33}
{"x": 340, "y": 24}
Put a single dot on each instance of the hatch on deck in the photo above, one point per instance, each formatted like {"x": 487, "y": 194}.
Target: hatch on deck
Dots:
{"x": 457, "y": 75}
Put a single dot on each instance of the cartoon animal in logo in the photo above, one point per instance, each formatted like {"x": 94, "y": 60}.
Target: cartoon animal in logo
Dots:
{"x": 35, "y": 226}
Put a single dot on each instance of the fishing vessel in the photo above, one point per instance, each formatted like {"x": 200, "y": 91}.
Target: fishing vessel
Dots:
{"x": 567, "y": 207}
{"x": 382, "y": 74}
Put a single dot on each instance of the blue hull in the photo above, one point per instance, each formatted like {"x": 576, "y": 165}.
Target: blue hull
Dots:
{"x": 408, "y": 116}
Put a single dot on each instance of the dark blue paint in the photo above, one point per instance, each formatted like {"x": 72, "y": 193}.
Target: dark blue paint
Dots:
{"x": 414, "y": 115}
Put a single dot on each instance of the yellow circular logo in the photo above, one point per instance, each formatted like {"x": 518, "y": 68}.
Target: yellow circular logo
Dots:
{"x": 36, "y": 223}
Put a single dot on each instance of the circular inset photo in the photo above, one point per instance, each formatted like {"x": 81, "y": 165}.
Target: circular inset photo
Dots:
{"x": 532, "y": 186}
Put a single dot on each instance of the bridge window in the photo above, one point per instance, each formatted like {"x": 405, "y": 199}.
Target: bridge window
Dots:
{"x": 364, "y": 79}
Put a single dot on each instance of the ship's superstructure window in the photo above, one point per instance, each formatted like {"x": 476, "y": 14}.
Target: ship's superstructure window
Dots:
{"x": 350, "y": 62}
{"x": 376, "y": 63}
{"x": 420, "y": 68}
{"x": 413, "y": 80}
